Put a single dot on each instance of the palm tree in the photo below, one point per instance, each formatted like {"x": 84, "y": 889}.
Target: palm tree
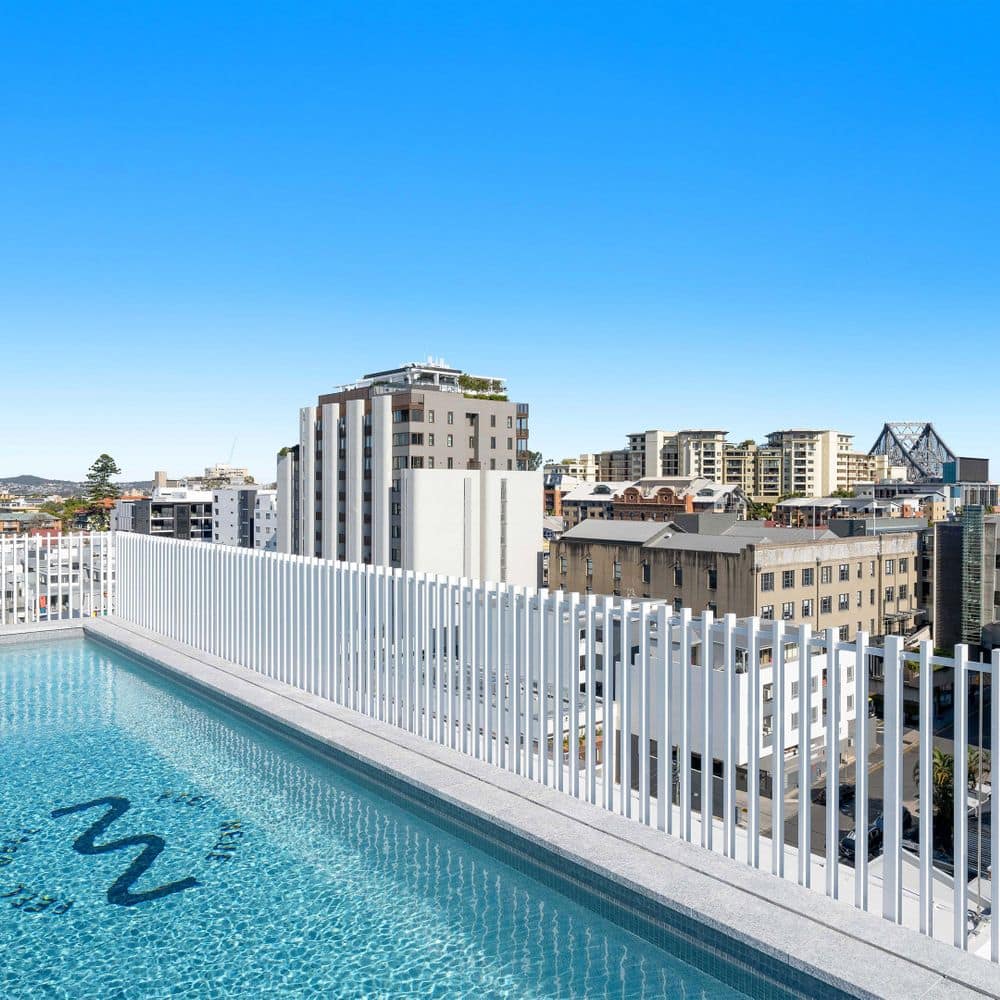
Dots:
{"x": 943, "y": 789}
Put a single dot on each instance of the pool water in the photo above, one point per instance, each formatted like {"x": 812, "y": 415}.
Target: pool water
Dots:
{"x": 153, "y": 845}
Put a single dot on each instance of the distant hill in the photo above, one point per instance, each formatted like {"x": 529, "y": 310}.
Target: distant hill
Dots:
{"x": 64, "y": 487}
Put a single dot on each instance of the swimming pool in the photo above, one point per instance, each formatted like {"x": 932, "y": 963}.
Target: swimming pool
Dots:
{"x": 152, "y": 844}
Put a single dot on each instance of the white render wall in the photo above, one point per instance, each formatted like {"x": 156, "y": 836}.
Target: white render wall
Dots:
{"x": 284, "y": 502}
{"x": 265, "y": 520}
{"x": 330, "y": 479}
{"x": 307, "y": 480}
{"x": 354, "y": 426}
{"x": 225, "y": 515}
{"x": 482, "y": 524}
{"x": 381, "y": 481}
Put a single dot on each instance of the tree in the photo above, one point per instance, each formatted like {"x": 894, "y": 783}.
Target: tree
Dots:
{"x": 531, "y": 460}
{"x": 99, "y": 485}
{"x": 943, "y": 789}
{"x": 759, "y": 510}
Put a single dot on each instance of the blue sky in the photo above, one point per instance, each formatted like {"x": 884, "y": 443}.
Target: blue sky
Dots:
{"x": 664, "y": 215}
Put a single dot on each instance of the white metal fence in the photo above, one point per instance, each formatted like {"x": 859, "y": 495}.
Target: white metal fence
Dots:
{"x": 578, "y": 693}
{"x": 55, "y": 578}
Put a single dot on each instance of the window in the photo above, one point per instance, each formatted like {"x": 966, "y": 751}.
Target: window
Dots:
{"x": 712, "y": 607}
{"x": 430, "y": 416}
{"x": 844, "y": 572}
{"x": 616, "y": 570}
{"x": 493, "y": 420}
{"x": 807, "y": 609}
{"x": 400, "y": 440}
{"x": 844, "y": 632}
{"x": 826, "y": 574}
{"x": 767, "y": 581}
{"x": 859, "y": 571}
{"x": 871, "y": 568}
{"x": 713, "y": 579}
{"x": 788, "y": 611}
{"x": 795, "y": 720}
{"x": 903, "y": 591}
{"x": 430, "y": 440}
{"x": 678, "y": 576}
{"x": 510, "y": 443}
{"x": 430, "y": 462}
{"x": 890, "y": 594}
{"x": 808, "y": 577}
{"x": 417, "y": 462}
{"x": 825, "y": 605}
{"x": 451, "y": 463}
{"x": 493, "y": 442}
{"x": 678, "y": 604}
{"x": 451, "y": 417}
{"x": 859, "y": 599}
{"x": 510, "y": 421}
{"x": 562, "y": 565}
{"x": 416, "y": 439}
{"x": 904, "y": 565}
{"x": 472, "y": 441}
{"x": 890, "y": 565}
{"x": 767, "y": 612}
{"x": 646, "y": 575}
{"x": 871, "y": 596}
{"x": 450, "y": 440}
{"x": 843, "y": 601}
{"x": 787, "y": 578}
{"x": 590, "y": 566}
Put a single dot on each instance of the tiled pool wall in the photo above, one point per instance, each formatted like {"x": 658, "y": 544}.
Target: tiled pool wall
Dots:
{"x": 721, "y": 955}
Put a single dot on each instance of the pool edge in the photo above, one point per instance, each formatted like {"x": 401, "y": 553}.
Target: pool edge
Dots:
{"x": 591, "y": 841}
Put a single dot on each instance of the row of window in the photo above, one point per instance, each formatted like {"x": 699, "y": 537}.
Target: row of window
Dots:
{"x": 418, "y": 416}
{"x": 403, "y": 438}
{"x": 807, "y": 575}
{"x": 422, "y": 462}
{"x": 826, "y": 604}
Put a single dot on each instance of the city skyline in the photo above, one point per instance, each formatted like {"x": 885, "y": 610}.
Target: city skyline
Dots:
{"x": 684, "y": 217}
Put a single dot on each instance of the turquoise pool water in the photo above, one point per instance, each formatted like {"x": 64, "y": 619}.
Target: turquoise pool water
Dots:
{"x": 153, "y": 845}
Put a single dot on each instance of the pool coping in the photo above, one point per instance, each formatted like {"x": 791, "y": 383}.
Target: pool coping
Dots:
{"x": 858, "y": 953}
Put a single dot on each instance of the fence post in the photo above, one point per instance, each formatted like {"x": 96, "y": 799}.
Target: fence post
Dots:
{"x": 892, "y": 883}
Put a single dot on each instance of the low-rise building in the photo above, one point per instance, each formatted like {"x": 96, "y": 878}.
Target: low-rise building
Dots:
{"x": 555, "y": 486}
{"x": 32, "y": 522}
{"x": 661, "y": 499}
{"x": 865, "y": 583}
{"x": 171, "y": 512}
{"x": 590, "y": 500}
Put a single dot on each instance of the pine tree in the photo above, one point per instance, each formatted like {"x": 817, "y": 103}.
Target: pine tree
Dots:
{"x": 99, "y": 475}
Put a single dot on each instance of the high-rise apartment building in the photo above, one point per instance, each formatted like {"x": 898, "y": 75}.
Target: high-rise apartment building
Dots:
{"x": 809, "y": 462}
{"x": 351, "y": 489}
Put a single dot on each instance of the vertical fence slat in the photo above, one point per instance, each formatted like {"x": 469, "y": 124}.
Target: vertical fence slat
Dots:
{"x": 729, "y": 752}
{"x": 892, "y": 871}
{"x": 861, "y": 771}
{"x": 805, "y": 755}
{"x": 778, "y": 750}
{"x": 926, "y": 794}
{"x": 707, "y": 749}
{"x": 832, "y": 764}
{"x": 960, "y": 795}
